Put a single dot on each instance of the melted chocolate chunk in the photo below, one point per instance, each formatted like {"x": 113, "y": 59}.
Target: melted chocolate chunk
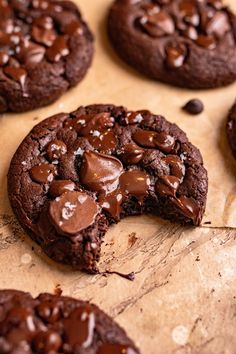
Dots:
{"x": 206, "y": 42}
{"x": 158, "y": 24}
{"x": 34, "y": 37}
{"x": 194, "y": 106}
{"x": 167, "y": 185}
{"x": 48, "y": 311}
{"x": 175, "y": 56}
{"x": 144, "y": 138}
{"x": 135, "y": 183}
{"x": 100, "y": 172}
{"x": 51, "y": 324}
{"x": 151, "y": 139}
{"x": 72, "y": 212}
{"x": 47, "y": 342}
{"x": 43, "y": 173}
{"x": 176, "y": 165}
{"x": 58, "y": 49}
{"x": 111, "y": 203}
{"x": 168, "y": 35}
{"x": 132, "y": 118}
{"x": 132, "y": 154}
{"x": 218, "y": 25}
{"x": 58, "y": 187}
{"x": 188, "y": 206}
{"x": 55, "y": 149}
{"x": 129, "y": 276}
{"x": 115, "y": 349}
{"x": 17, "y": 74}
{"x": 153, "y": 169}
{"x": 189, "y": 11}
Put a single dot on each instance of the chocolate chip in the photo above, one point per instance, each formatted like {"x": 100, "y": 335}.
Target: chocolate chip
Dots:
{"x": 206, "y": 42}
{"x": 194, "y": 106}
{"x": 158, "y": 24}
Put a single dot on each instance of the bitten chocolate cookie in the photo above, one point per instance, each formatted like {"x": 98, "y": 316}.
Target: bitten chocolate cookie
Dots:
{"x": 187, "y": 43}
{"x": 75, "y": 174}
{"x": 45, "y": 48}
{"x": 54, "y": 324}
{"x": 231, "y": 129}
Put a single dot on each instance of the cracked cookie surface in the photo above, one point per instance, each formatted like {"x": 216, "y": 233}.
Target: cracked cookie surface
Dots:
{"x": 45, "y": 48}
{"x": 57, "y": 324}
{"x": 75, "y": 174}
{"x": 187, "y": 43}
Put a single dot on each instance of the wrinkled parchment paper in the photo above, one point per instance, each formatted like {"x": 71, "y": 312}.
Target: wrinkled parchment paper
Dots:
{"x": 183, "y": 298}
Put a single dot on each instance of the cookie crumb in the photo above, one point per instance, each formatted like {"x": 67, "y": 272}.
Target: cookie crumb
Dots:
{"x": 132, "y": 239}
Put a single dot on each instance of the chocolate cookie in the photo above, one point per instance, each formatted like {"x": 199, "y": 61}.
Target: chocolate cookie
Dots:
{"x": 187, "y": 43}
{"x": 45, "y": 48}
{"x": 54, "y": 324}
{"x": 77, "y": 173}
{"x": 231, "y": 129}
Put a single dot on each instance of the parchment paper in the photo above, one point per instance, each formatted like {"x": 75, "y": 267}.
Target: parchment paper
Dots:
{"x": 183, "y": 298}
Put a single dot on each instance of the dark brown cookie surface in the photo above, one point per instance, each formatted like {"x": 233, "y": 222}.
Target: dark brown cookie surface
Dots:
{"x": 75, "y": 174}
{"x": 45, "y": 48}
{"x": 54, "y": 324}
{"x": 187, "y": 43}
